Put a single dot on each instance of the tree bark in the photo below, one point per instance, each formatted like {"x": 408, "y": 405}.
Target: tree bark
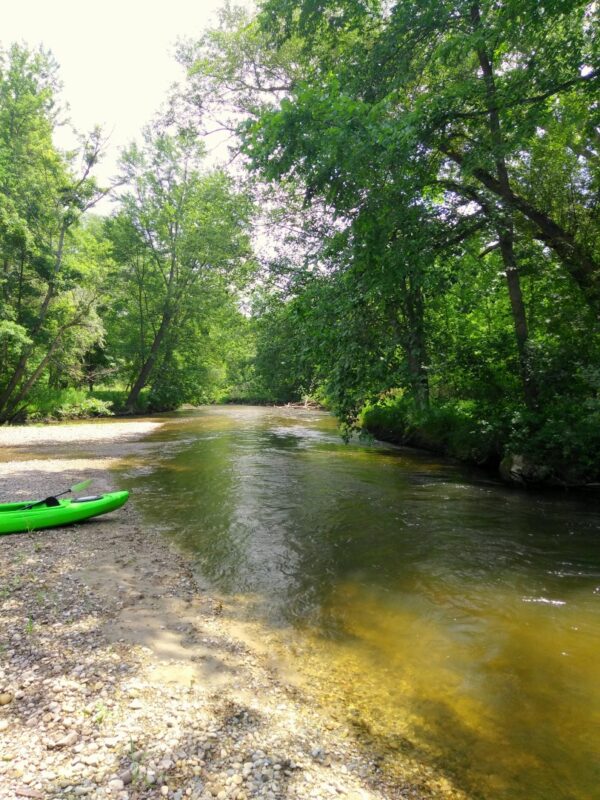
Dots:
{"x": 513, "y": 281}
{"x": 581, "y": 264}
{"x": 505, "y": 225}
{"x": 411, "y": 335}
{"x": 416, "y": 348}
{"x": 148, "y": 365}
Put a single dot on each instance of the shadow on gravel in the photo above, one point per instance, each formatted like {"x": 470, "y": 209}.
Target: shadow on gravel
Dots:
{"x": 220, "y": 755}
{"x": 88, "y": 709}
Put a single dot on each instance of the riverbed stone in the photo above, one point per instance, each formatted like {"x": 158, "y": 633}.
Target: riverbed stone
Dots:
{"x": 516, "y": 468}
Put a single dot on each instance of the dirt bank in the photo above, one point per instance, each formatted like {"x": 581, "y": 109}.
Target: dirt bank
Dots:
{"x": 120, "y": 676}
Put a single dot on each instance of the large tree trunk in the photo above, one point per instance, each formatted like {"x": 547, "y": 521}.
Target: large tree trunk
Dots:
{"x": 506, "y": 241}
{"x": 415, "y": 344}
{"x": 148, "y": 365}
{"x": 504, "y": 225}
{"x": 411, "y": 336}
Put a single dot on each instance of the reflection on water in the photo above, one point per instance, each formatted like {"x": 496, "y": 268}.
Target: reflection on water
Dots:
{"x": 457, "y": 622}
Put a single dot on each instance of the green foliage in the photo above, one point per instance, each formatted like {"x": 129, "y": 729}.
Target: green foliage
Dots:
{"x": 84, "y": 409}
{"x": 428, "y": 175}
{"x": 182, "y": 248}
{"x": 455, "y": 146}
{"x": 52, "y": 266}
{"x": 461, "y": 429}
{"x": 147, "y": 300}
{"x": 113, "y": 397}
{"x": 62, "y": 404}
{"x": 565, "y": 438}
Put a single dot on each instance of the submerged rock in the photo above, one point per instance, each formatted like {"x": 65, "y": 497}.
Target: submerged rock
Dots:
{"x": 519, "y": 469}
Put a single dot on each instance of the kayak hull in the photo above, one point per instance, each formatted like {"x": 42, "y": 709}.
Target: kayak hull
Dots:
{"x": 17, "y": 518}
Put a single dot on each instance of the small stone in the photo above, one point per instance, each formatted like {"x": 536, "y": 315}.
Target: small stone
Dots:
{"x": 6, "y": 698}
{"x": 164, "y": 790}
{"x": 68, "y": 740}
{"x": 27, "y": 791}
{"x": 126, "y": 777}
{"x": 3, "y": 725}
{"x": 111, "y": 742}
{"x": 116, "y": 785}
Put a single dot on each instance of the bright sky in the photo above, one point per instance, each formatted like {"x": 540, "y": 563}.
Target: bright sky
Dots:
{"x": 116, "y": 57}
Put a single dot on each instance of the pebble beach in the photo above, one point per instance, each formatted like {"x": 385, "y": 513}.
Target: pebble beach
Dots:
{"x": 120, "y": 675}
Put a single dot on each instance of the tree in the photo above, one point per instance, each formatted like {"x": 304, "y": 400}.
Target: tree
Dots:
{"x": 453, "y": 148}
{"x": 43, "y": 196}
{"x": 473, "y": 85}
{"x": 182, "y": 236}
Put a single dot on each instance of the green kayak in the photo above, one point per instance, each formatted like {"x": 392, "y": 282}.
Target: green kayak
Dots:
{"x": 53, "y": 513}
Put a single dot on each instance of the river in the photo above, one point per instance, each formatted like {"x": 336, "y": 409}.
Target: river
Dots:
{"x": 452, "y": 622}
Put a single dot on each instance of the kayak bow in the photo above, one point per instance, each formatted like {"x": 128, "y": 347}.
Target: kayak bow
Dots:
{"x": 27, "y": 516}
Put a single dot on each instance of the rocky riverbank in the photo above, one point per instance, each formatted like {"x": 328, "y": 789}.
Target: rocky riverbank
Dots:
{"x": 119, "y": 674}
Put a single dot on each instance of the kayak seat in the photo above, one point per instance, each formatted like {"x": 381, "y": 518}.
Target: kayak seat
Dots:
{"x": 52, "y": 502}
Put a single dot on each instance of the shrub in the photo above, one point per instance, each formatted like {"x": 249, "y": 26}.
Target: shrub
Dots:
{"x": 463, "y": 429}
{"x": 65, "y": 404}
{"x": 565, "y": 438}
{"x": 85, "y": 409}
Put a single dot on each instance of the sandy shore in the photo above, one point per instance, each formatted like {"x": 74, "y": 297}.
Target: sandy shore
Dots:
{"x": 120, "y": 676}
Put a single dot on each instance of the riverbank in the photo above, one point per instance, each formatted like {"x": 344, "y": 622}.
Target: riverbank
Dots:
{"x": 525, "y": 452}
{"x": 120, "y": 676}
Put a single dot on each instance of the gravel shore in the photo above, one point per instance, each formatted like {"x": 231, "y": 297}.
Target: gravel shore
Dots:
{"x": 119, "y": 675}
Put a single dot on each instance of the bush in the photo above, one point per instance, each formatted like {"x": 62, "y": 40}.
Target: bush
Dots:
{"x": 85, "y": 409}
{"x": 113, "y": 397}
{"x": 463, "y": 429}
{"x": 565, "y": 439}
{"x": 562, "y": 438}
{"x": 62, "y": 404}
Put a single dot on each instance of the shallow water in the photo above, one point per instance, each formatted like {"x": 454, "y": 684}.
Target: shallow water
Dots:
{"x": 454, "y": 622}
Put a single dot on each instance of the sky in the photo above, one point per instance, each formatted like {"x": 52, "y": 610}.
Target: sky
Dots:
{"x": 116, "y": 57}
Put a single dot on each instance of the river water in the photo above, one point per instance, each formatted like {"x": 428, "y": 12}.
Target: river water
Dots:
{"x": 453, "y": 622}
